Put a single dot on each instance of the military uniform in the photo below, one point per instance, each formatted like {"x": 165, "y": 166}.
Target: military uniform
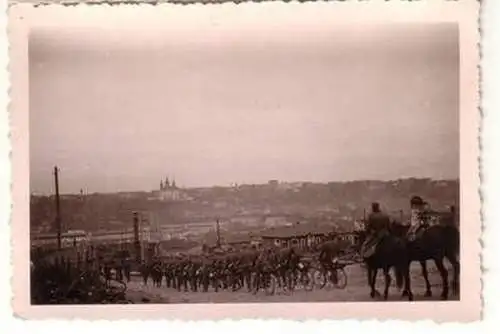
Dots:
{"x": 418, "y": 217}
{"x": 378, "y": 225}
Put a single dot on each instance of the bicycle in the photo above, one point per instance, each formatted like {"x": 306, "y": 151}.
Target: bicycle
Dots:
{"x": 335, "y": 276}
{"x": 265, "y": 280}
{"x": 304, "y": 277}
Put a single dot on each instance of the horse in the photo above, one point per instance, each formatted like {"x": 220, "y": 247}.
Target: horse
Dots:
{"x": 435, "y": 243}
{"x": 389, "y": 253}
{"x": 285, "y": 262}
{"x": 330, "y": 249}
{"x": 248, "y": 260}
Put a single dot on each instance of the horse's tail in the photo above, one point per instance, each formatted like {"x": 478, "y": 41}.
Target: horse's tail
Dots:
{"x": 399, "y": 277}
{"x": 452, "y": 238}
{"x": 457, "y": 240}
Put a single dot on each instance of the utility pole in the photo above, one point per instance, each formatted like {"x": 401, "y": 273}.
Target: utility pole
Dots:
{"x": 218, "y": 233}
{"x": 137, "y": 243}
{"x": 58, "y": 208}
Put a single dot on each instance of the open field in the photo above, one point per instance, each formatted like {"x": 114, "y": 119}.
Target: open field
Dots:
{"x": 356, "y": 290}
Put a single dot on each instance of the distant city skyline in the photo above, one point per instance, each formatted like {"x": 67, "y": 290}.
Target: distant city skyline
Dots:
{"x": 378, "y": 102}
{"x": 234, "y": 184}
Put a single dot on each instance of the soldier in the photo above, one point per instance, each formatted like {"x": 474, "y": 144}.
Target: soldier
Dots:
{"x": 145, "y": 272}
{"x": 377, "y": 227}
{"x": 417, "y": 219}
{"x": 127, "y": 267}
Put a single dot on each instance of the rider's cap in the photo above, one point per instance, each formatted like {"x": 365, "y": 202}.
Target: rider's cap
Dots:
{"x": 416, "y": 201}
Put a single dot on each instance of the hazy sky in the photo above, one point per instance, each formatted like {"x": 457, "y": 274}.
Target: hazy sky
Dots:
{"x": 116, "y": 112}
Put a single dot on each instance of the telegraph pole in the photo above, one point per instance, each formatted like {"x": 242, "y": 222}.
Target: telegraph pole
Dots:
{"x": 58, "y": 208}
{"x": 137, "y": 242}
{"x": 218, "y": 233}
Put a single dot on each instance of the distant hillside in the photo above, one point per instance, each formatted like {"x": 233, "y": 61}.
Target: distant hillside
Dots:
{"x": 338, "y": 199}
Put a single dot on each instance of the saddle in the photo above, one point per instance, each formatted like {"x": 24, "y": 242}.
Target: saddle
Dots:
{"x": 370, "y": 245}
{"x": 416, "y": 232}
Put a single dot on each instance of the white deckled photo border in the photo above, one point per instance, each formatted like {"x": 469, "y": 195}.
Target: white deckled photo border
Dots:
{"x": 23, "y": 17}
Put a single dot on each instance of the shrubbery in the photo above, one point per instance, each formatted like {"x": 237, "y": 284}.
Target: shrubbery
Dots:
{"x": 60, "y": 280}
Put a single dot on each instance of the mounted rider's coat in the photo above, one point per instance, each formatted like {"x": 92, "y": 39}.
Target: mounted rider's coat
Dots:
{"x": 377, "y": 227}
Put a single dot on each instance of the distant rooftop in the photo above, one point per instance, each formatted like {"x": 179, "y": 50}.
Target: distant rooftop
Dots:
{"x": 301, "y": 230}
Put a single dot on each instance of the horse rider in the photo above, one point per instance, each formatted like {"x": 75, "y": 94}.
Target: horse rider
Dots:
{"x": 418, "y": 218}
{"x": 377, "y": 227}
{"x": 327, "y": 257}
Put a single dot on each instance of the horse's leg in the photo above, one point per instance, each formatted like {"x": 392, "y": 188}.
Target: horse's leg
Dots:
{"x": 373, "y": 279}
{"x": 286, "y": 279}
{"x": 290, "y": 276}
{"x": 369, "y": 276}
{"x": 248, "y": 279}
{"x": 407, "y": 291}
{"x": 444, "y": 276}
{"x": 428, "y": 291}
{"x": 281, "y": 279}
{"x": 456, "y": 272}
{"x": 387, "y": 282}
{"x": 185, "y": 280}
{"x": 178, "y": 281}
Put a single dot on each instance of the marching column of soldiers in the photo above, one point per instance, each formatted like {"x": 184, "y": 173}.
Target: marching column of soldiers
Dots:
{"x": 249, "y": 269}
{"x": 218, "y": 272}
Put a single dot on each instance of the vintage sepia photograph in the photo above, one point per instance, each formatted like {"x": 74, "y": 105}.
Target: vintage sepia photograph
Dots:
{"x": 215, "y": 161}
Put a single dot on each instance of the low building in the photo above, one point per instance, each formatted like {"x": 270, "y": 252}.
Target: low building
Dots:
{"x": 306, "y": 235}
{"x": 68, "y": 238}
{"x": 238, "y": 240}
{"x": 299, "y": 235}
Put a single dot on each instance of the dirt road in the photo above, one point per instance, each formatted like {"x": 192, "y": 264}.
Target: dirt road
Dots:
{"x": 356, "y": 290}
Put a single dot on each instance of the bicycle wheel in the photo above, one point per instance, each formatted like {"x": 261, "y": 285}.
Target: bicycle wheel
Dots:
{"x": 319, "y": 279}
{"x": 270, "y": 285}
{"x": 307, "y": 280}
{"x": 341, "y": 279}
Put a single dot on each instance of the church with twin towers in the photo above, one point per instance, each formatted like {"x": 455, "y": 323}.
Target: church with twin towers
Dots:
{"x": 169, "y": 191}
{"x": 166, "y": 185}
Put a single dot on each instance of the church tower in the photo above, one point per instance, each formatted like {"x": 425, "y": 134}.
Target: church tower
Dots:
{"x": 167, "y": 183}
{"x": 161, "y": 184}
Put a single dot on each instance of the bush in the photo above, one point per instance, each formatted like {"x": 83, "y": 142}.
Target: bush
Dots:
{"x": 61, "y": 280}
